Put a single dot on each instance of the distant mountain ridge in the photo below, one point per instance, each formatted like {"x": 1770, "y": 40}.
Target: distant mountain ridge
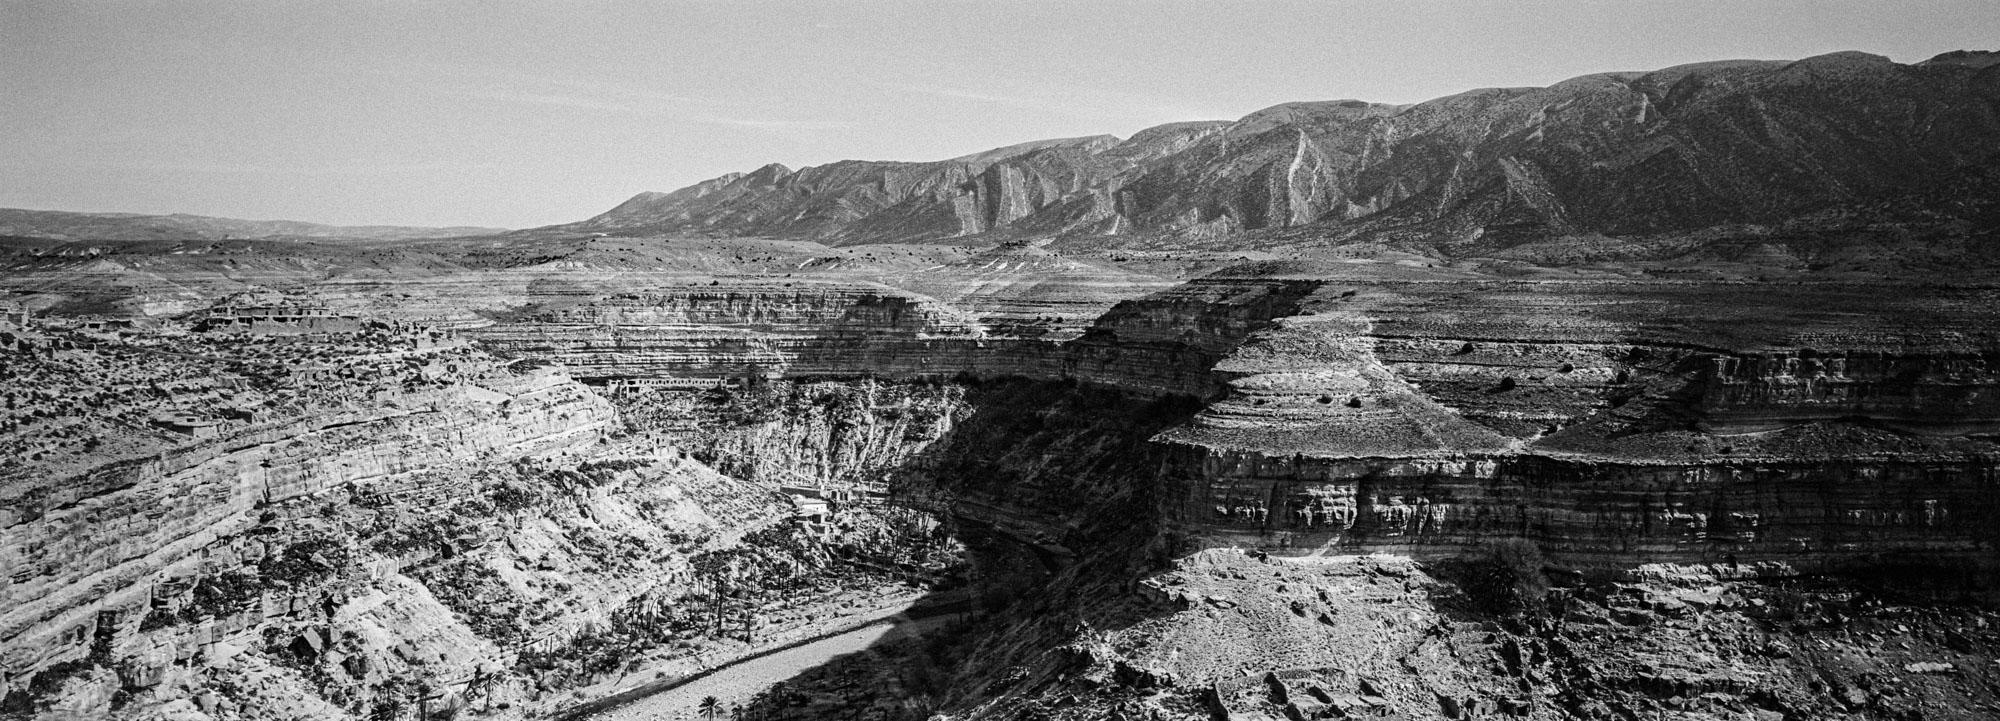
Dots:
{"x": 1623, "y": 153}
{"x": 66, "y": 225}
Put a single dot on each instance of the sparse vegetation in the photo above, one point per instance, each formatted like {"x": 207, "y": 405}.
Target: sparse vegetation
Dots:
{"x": 1504, "y": 577}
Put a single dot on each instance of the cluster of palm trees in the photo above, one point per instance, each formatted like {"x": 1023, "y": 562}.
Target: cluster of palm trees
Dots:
{"x": 710, "y": 709}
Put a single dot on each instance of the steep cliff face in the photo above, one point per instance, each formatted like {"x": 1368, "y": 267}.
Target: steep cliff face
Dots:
{"x": 1025, "y": 290}
{"x": 1814, "y": 515}
{"x": 1160, "y": 343}
{"x": 503, "y": 546}
{"x": 1765, "y": 502}
{"x": 1043, "y": 463}
{"x": 1431, "y": 418}
{"x": 706, "y": 331}
{"x": 1382, "y": 416}
{"x": 1649, "y": 543}
{"x": 806, "y": 310}
{"x": 1942, "y": 393}
{"x": 91, "y": 556}
{"x": 1169, "y": 342}
{"x": 837, "y": 434}
{"x": 1122, "y": 613}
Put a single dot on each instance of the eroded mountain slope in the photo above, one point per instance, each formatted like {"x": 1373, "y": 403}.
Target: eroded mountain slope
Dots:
{"x": 1710, "y": 145}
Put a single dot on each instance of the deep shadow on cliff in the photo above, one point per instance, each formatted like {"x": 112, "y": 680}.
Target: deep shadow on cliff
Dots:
{"x": 1100, "y": 600}
{"x": 1232, "y": 636}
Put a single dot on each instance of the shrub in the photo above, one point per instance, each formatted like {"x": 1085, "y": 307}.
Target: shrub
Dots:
{"x": 305, "y": 563}
{"x": 514, "y": 496}
{"x": 1505, "y": 578}
{"x": 222, "y": 595}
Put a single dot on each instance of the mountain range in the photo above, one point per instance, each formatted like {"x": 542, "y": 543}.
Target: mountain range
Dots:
{"x": 65, "y": 225}
{"x": 1809, "y": 160}
{"x": 1626, "y": 154}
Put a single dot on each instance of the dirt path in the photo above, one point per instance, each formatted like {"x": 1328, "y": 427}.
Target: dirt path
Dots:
{"x": 736, "y": 683}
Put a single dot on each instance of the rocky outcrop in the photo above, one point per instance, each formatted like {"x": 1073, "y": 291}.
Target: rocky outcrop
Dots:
{"x": 1951, "y": 394}
{"x": 1819, "y": 514}
{"x": 1397, "y": 418}
{"x": 1163, "y": 343}
{"x": 710, "y": 332}
{"x": 91, "y": 558}
{"x": 1431, "y": 416}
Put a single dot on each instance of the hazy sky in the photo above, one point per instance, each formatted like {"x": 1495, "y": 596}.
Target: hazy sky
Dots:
{"x": 523, "y": 114}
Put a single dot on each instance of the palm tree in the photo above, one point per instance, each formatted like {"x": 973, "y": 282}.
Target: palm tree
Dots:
{"x": 481, "y": 685}
{"x": 710, "y": 708}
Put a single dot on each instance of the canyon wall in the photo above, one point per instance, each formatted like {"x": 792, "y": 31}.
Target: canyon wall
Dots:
{"x": 1396, "y": 419}
{"x": 104, "y": 566}
{"x": 1157, "y": 344}
{"x": 1345, "y": 418}
{"x": 1330, "y": 412}
{"x": 1808, "y": 514}
{"x": 1943, "y": 394}
{"x": 116, "y": 532}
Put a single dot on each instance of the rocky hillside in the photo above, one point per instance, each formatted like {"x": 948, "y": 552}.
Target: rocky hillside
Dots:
{"x": 1710, "y": 145}
{"x": 1658, "y": 452}
{"x": 378, "y": 524}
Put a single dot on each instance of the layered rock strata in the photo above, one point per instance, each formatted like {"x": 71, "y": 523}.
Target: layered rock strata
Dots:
{"x": 1383, "y": 415}
{"x": 1161, "y": 343}
{"x": 1810, "y": 514}
{"x": 1394, "y": 418}
{"x": 90, "y": 556}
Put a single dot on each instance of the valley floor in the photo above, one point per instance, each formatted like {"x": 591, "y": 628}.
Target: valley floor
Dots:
{"x": 738, "y": 682}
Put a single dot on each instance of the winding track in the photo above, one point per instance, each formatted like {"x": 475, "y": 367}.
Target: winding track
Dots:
{"x": 735, "y": 683}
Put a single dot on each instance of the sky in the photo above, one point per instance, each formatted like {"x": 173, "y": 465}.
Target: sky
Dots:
{"x": 515, "y": 114}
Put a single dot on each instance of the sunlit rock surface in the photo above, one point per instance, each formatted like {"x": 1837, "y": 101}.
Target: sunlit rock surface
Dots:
{"x": 1656, "y": 394}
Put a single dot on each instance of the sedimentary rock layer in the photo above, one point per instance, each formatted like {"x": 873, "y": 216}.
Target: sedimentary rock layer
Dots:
{"x": 100, "y": 545}
{"x": 1161, "y": 343}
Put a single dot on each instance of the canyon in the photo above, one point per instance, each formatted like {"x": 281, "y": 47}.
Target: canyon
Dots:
{"x": 1645, "y": 395}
